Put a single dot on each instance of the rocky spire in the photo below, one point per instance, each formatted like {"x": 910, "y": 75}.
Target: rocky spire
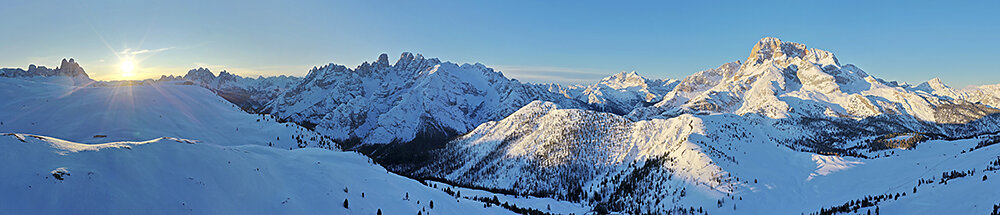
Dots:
{"x": 71, "y": 68}
{"x": 383, "y": 60}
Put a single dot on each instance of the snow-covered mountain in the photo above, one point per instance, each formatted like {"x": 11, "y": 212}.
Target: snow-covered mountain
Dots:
{"x": 619, "y": 93}
{"x": 175, "y": 176}
{"x": 68, "y": 69}
{"x": 782, "y": 79}
{"x": 783, "y": 117}
{"x": 986, "y": 94}
{"x": 722, "y": 163}
{"x": 382, "y": 103}
{"x": 425, "y": 98}
{"x": 251, "y": 94}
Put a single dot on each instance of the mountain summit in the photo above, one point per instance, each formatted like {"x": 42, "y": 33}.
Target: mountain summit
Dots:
{"x": 785, "y": 79}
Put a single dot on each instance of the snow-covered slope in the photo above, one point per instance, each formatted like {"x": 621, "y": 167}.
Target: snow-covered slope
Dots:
{"x": 46, "y": 175}
{"x": 722, "y": 163}
{"x": 545, "y": 150}
{"x": 137, "y": 112}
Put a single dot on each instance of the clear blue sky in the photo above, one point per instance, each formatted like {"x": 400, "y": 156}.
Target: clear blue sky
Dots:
{"x": 537, "y": 41}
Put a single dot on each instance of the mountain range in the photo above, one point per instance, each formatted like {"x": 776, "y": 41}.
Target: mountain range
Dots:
{"x": 789, "y": 126}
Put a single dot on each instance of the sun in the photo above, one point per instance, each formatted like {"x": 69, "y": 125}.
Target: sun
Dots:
{"x": 127, "y": 67}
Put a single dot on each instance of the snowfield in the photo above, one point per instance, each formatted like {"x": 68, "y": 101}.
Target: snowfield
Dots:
{"x": 173, "y": 176}
{"x": 49, "y": 107}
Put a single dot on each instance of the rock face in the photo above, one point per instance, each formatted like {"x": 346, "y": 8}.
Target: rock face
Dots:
{"x": 71, "y": 69}
{"x": 68, "y": 68}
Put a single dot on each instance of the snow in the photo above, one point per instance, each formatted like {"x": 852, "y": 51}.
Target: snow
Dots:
{"x": 139, "y": 112}
{"x": 547, "y": 205}
{"x": 385, "y": 103}
{"x": 807, "y": 82}
{"x": 736, "y": 159}
{"x": 828, "y": 164}
{"x": 167, "y": 176}
{"x": 166, "y": 148}
{"x": 788, "y": 127}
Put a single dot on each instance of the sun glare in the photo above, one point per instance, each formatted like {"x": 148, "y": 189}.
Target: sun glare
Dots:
{"x": 127, "y": 67}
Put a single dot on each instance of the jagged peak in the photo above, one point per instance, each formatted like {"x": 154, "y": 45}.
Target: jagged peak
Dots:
{"x": 383, "y": 60}
{"x": 70, "y": 65}
{"x": 199, "y": 73}
{"x": 771, "y": 47}
{"x": 407, "y": 58}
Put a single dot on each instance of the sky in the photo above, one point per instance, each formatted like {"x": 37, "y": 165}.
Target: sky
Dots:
{"x": 533, "y": 41}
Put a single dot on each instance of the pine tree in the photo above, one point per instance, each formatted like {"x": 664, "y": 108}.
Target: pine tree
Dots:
{"x": 345, "y": 203}
{"x": 432, "y": 204}
{"x": 379, "y": 212}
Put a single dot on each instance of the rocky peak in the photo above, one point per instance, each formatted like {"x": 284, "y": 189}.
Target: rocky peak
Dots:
{"x": 408, "y": 60}
{"x": 383, "y": 60}
{"x": 38, "y": 69}
{"x": 71, "y": 68}
{"x": 771, "y": 48}
{"x": 405, "y": 58}
{"x": 936, "y": 83}
{"x": 67, "y": 68}
{"x": 224, "y": 75}
{"x": 624, "y": 80}
{"x": 200, "y": 74}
